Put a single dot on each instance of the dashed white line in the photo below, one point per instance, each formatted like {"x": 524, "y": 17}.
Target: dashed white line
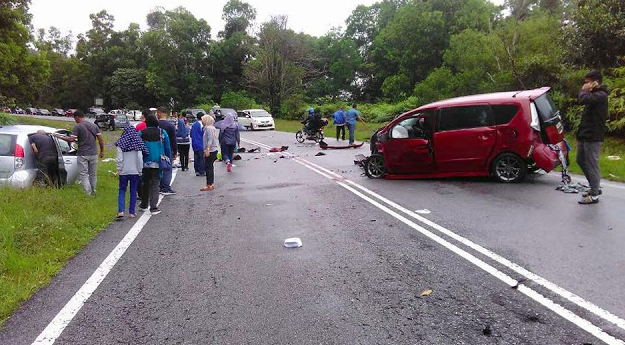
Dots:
{"x": 54, "y": 329}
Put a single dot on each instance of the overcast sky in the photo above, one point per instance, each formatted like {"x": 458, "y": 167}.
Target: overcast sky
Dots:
{"x": 313, "y": 17}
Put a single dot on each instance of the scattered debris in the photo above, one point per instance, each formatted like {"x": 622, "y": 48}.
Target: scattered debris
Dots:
{"x": 294, "y": 242}
{"x": 609, "y": 228}
{"x": 106, "y": 160}
{"x": 268, "y": 204}
{"x": 320, "y": 154}
{"x": 242, "y": 149}
{"x": 518, "y": 282}
{"x": 573, "y": 188}
{"x": 256, "y": 149}
{"x": 325, "y": 146}
{"x": 236, "y": 157}
{"x": 487, "y": 331}
{"x": 614, "y": 158}
{"x": 373, "y": 220}
{"x": 360, "y": 160}
{"x": 613, "y": 176}
{"x": 279, "y": 149}
{"x": 423, "y": 211}
{"x": 427, "y": 292}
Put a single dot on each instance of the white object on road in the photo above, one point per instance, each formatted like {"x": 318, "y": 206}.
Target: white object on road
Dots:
{"x": 294, "y": 242}
{"x": 423, "y": 211}
{"x": 614, "y": 158}
{"x": 106, "y": 160}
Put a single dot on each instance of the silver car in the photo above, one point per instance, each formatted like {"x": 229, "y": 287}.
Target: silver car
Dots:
{"x": 18, "y": 166}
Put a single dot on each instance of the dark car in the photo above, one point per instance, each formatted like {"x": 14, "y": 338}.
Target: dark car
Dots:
{"x": 503, "y": 135}
{"x": 58, "y": 112}
{"x": 191, "y": 114}
{"x": 220, "y": 113}
{"x": 18, "y": 110}
{"x": 45, "y": 112}
{"x": 93, "y": 111}
{"x": 32, "y": 111}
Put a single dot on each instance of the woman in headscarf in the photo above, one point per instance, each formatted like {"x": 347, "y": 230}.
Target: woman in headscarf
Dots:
{"x": 210, "y": 150}
{"x": 229, "y": 137}
{"x": 130, "y": 149}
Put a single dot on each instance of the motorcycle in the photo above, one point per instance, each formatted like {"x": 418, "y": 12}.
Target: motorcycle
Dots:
{"x": 304, "y": 134}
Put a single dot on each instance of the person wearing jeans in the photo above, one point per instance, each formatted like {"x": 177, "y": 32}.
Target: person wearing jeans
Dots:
{"x": 350, "y": 119}
{"x": 229, "y": 137}
{"x": 210, "y": 153}
{"x": 130, "y": 149}
{"x": 184, "y": 143}
{"x": 197, "y": 146}
{"x": 339, "y": 122}
{"x": 86, "y": 133}
{"x": 156, "y": 141}
{"x": 594, "y": 97}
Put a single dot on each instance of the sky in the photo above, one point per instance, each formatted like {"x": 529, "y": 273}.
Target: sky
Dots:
{"x": 315, "y": 17}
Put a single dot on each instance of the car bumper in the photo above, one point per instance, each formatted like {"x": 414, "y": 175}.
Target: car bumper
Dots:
{"x": 547, "y": 157}
{"x": 265, "y": 126}
{"x": 20, "y": 179}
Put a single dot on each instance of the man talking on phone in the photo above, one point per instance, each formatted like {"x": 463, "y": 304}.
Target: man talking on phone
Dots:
{"x": 592, "y": 129}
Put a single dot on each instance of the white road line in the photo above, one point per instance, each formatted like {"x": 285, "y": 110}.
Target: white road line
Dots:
{"x": 69, "y": 311}
{"x": 570, "y": 296}
{"x": 546, "y": 302}
{"x": 558, "y": 309}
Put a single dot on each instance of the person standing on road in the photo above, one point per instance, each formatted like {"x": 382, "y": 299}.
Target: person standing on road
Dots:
{"x": 47, "y": 158}
{"x": 339, "y": 122}
{"x": 184, "y": 142}
{"x": 229, "y": 137}
{"x": 86, "y": 134}
{"x": 197, "y": 143}
{"x": 591, "y": 133}
{"x": 171, "y": 132}
{"x": 130, "y": 150}
{"x": 156, "y": 141}
{"x": 211, "y": 145}
{"x": 350, "y": 118}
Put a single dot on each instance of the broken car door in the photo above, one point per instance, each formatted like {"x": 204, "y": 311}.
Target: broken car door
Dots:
{"x": 409, "y": 148}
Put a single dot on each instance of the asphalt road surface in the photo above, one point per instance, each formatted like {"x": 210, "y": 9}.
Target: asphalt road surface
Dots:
{"x": 479, "y": 262}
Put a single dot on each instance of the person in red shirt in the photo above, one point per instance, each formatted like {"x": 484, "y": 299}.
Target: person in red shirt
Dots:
{"x": 141, "y": 125}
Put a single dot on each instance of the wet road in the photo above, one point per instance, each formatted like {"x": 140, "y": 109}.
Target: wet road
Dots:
{"x": 505, "y": 264}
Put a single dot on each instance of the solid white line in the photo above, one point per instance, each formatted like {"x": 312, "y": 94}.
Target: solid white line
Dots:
{"x": 558, "y": 309}
{"x": 570, "y": 296}
{"x": 64, "y": 317}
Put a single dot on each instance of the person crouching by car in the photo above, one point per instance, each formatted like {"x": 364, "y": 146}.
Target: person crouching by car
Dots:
{"x": 130, "y": 150}
{"x": 157, "y": 142}
{"x": 591, "y": 132}
{"x": 44, "y": 148}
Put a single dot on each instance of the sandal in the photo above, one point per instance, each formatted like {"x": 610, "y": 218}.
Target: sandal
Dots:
{"x": 206, "y": 188}
{"x": 132, "y": 215}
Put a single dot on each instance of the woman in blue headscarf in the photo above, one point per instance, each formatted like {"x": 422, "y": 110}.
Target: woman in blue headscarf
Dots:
{"x": 229, "y": 137}
{"x": 130, "y": 149}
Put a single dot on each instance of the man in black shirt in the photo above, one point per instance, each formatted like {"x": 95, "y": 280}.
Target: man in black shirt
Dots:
{"x": 44, "y": 148}
{"x": 171, "y": 132}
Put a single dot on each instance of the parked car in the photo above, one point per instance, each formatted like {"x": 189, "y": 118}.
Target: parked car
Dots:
{"x": 58, "y": 112}
{"x": 32, "y": 111}
{"x": 256, "y": 119}
{"x": 18, "y": 162}
{"x": 117, "y": 112}
{"x": 103, "y": 121}
{"x": 45, "y": 112}
{"x": 220, "y": 113}
{"x": 18, "y": 110}
{"x": 6, "y": 110}
{"x": 134, "y": 115}
{"x": 70, "y": 112}
{"x": 93, "y": 111}
{"x": 503, "y": 135}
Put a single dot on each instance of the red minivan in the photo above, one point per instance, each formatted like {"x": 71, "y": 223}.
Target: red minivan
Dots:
{"x": 503, "y": 135}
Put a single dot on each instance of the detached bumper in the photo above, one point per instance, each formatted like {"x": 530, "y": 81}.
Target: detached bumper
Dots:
{"x": 547, "y": 157}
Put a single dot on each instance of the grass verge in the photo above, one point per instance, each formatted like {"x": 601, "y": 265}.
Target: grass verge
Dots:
{"x": 42, "y": 228}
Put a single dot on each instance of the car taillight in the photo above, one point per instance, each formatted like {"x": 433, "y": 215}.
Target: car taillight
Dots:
{"x": 19, "y": 157}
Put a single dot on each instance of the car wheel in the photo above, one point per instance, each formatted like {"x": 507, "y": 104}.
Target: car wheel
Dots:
{"x": 509, "y": 168}
{"x": 374, "y": 166}
{"x": 299, "y": 136}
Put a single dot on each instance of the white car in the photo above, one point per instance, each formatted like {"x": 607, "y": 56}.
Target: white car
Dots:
{"x": 134, "y": 115}
{"x": 254, "y": 119}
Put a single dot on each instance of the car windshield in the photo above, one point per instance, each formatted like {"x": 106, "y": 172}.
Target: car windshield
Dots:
{"x": 547, "y": 109}
{"x": 259, "y": 113}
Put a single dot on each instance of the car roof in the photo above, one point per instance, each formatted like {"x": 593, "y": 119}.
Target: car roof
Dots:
{"x": 27, "y": 129}
{"x": 489, "y": 97}
{"x": 255, "y": 110}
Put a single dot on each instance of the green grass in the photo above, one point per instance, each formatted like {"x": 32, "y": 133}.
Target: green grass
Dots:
{"x": 42, "y": 228}
{"x": 362, "y": 133}
{"x": 613, "y": 170}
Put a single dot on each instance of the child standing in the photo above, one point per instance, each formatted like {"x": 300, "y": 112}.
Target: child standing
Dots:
{"x": 210, "y": 150}
{"x": 130, "y": 150}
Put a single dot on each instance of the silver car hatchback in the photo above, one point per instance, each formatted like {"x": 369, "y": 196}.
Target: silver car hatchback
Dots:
{"x": 18, "y": 166}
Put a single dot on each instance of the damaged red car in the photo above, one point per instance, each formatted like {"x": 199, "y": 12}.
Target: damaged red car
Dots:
{"x": 503, "y": 135}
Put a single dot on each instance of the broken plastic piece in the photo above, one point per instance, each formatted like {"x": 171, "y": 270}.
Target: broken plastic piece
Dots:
{"x": 294, "y": 242}
{"x": 423, "y": 211}
{"x": 427, "y": 292}
{"x": 325, "y": 146}
{"x": 320, "y": 154}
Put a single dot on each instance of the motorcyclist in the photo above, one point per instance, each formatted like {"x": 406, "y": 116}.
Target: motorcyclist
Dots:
{"x": 314, "y": 122}
{"x": 307, "y": 121}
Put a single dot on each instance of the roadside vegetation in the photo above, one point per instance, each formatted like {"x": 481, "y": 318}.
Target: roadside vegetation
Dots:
{"x": 41, "y": 228}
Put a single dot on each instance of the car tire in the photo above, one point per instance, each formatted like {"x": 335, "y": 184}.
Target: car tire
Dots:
{"x": 375, "y": 167}
{"x": 509, "y": 168}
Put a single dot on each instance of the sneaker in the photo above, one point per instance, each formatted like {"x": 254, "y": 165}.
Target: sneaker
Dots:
{"x": 144, "y": 209}
{"x": 588, "y": 193}
{"x": 589, "y": 199}
{"x": 197, "y": 174}
{"x": 155, "y": 211}
{"x": 169, "y": 192}
{"x": 229, "y": 167}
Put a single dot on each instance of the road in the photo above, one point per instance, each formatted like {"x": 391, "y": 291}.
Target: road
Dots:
{"x": 503, "y": 264}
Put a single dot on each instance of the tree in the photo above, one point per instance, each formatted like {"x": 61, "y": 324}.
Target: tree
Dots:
{"x": 238, "y": 16}
{"x": 129, "y": 85}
